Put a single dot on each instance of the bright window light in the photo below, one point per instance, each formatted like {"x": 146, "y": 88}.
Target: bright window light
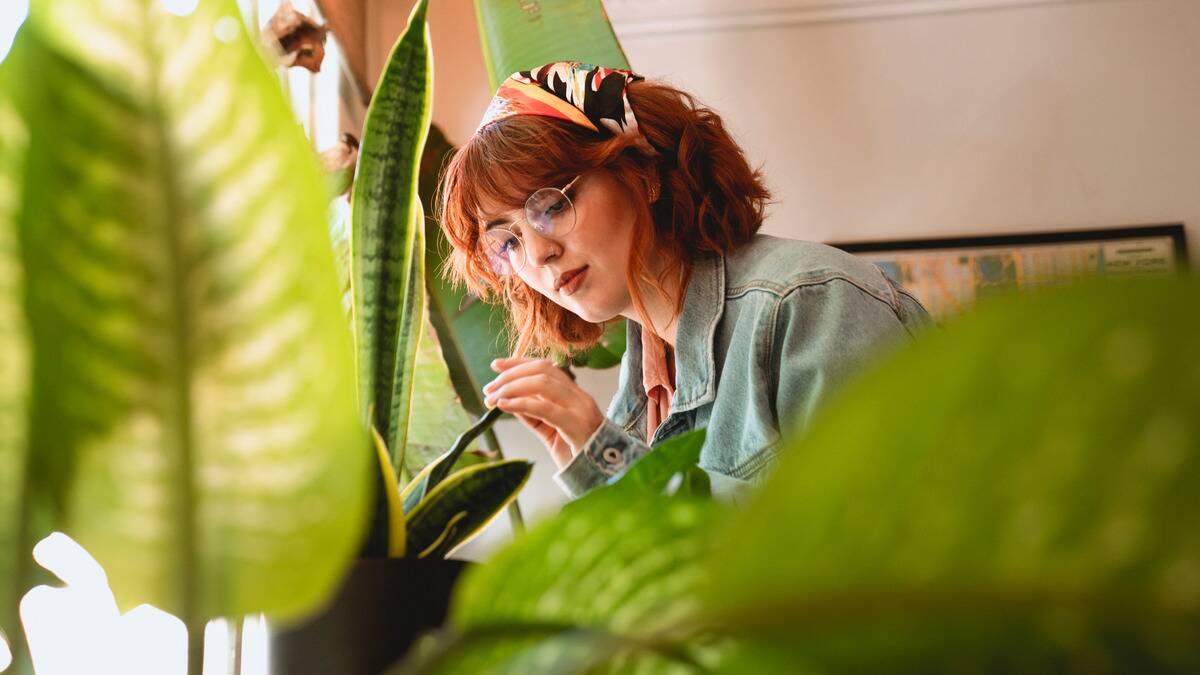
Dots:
{"x": 12, "y": 15}
{"x": 77, "y": 628}
{"x": 5, "y": 654}
{"x": 180, "y": 7}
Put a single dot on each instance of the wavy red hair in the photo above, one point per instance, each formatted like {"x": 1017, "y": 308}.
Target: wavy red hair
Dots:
{"x": 710, "y": 199}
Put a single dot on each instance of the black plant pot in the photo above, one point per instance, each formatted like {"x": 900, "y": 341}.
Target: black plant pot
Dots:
{"x": 380, "y": 609}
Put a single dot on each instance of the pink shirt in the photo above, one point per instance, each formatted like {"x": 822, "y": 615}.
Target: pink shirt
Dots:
{"x": 658, "y": 377}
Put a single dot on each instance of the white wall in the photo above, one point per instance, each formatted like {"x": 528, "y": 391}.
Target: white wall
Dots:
{"x": 894, "y": 119}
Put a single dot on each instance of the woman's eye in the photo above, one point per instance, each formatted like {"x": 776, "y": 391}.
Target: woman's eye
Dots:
{"x": 511, "y": 244}
{"x": 556, "y": 207}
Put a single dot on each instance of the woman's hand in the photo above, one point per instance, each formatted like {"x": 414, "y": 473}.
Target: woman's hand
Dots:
{"x": 547, "y": 400}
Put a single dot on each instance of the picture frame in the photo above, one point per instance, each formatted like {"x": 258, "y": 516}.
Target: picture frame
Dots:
{"x": 948, "y": 275}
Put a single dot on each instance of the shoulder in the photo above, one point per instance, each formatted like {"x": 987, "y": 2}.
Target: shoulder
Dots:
{"x": 781, "y": 266}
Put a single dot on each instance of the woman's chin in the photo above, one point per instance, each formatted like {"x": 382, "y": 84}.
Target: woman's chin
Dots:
{"x": 591, "y": 315}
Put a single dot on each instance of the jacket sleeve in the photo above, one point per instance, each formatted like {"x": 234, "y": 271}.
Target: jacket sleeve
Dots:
{"x": 825, "y": 335}
{"x": 606, "y": 454}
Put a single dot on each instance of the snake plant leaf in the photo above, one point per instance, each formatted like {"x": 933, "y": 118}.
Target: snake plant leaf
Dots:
{"x": 594, "y": 585}
{"x": 437, "y": 413}
{"x": 192, "y": 376}
{"x": 439, "y": 469}
{"x": 397, "y": 528}
{"x": 522, "y": 35}
{"x": 15, "y": 501}
{"x": 1016, "y": 492}
{"x": 460, "y": 506}
{"x": 387, "y": 236}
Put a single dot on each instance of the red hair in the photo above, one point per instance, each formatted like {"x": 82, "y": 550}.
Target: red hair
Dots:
{"x": 710, "y": 200}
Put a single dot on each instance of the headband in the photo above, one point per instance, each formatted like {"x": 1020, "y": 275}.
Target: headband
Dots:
{"x": 592, "y": 97}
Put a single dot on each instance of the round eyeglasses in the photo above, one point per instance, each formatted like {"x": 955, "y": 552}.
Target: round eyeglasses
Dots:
{"x": 548, "y": 211}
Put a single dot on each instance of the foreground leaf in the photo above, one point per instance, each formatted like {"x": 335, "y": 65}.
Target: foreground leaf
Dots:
{"x": 192, "y": 377}
{"x": 594, "y": 585}
{"x": 387, "y": 236}
{"x": 15, "y": 501}
{"x": 1015, "y": 492}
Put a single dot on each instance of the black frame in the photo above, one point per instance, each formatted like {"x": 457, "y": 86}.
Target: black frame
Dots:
{"x": 1173, "y": 230}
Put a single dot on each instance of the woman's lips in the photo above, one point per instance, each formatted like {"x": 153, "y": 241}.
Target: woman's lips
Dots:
{"x": 573, "y": 281}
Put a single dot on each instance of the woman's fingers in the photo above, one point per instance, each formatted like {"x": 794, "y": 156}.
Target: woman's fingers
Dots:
{"x": 504, "y": 363}
{"x": 544, "y": 411}
{"x": 524, "y": 368}
{"x": 537, "y": 384}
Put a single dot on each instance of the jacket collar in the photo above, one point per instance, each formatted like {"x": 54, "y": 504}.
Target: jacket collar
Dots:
{"x": 695, "y": 365}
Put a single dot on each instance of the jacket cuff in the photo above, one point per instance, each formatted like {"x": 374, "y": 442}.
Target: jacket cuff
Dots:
{"x": 605, "y": 455}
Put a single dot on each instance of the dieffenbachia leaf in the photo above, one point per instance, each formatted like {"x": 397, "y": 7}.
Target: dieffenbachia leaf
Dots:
{"x": 1029, "y": 508}
{"x": 15, "y": 500}
{"x": 604, "y": 584}
{"x": 192, "y": 376}
{"x": 387, "y": 236}
{"x": 1017, "y": 492}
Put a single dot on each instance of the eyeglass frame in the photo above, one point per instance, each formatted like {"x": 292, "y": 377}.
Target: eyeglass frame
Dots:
{"x": 525, "y": 219}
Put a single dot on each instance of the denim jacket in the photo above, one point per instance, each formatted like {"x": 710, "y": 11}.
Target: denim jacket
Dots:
{"x": 766, "y": 333}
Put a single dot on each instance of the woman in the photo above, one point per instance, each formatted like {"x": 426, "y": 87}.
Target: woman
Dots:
{"x": 589, "y": 194}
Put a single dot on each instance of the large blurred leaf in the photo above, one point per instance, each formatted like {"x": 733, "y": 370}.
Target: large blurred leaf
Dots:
{"x": 387, "y": 236}
{"x": 192, "y": 376}
{"x": 1013, "y": 494}
{"x": 15, "y": 506}
{"x": 594, "y": 585}
{"x": 522, "y": 35}
{"x": 1016, "y": 492}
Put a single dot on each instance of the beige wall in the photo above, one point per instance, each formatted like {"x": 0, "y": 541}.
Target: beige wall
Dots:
{"x": 1000, "y": 117}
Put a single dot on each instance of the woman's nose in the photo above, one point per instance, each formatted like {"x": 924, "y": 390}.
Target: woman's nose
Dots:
{"x": 540, "y": 249}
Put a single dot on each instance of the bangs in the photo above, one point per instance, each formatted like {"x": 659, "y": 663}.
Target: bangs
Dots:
{"x": 496, "y": 169}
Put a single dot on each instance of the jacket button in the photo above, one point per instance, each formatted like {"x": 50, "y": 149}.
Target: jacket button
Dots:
{"x": 613, "y": 457}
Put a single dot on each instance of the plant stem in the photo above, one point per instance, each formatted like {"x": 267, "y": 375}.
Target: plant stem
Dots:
{"x": 238, "y": 628}
{"x": 195, "y": 639}
{"x": 515, "y": 518}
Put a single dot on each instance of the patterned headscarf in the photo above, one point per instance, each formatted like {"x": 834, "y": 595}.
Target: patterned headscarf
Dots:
{"x": 591, "y": 96}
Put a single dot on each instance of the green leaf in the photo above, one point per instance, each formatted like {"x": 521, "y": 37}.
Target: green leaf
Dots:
{"x": 523, "y": 35}
{"x": 192, "y": 375}
{"x": 15, "y": 502}
{"x": 387, "y": 239}
{"x": 437, "y": 414}
{"x": 460, "y": 506}
{"x": 1014, "y": 492}
{"x": 397, "y": 527}
{"x": 607, "y": 353}
{"x": 596, "y": 584}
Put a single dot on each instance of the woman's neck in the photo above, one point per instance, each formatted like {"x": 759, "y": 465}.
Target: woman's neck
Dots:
{"x": 660, "y": 306}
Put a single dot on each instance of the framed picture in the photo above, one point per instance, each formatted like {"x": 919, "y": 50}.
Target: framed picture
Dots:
{"x": 949, "y": 275}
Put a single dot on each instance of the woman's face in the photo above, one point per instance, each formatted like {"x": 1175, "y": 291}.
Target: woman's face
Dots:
{"x": 585, "y": 270}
